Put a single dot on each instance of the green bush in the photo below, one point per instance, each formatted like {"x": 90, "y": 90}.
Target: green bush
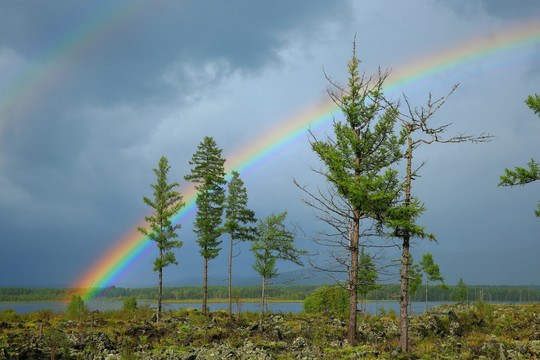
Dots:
{"x": 130, "y": 304}
{"x": 76, "y": 309}
{"x": 57, "y": 341}
{"x": 9, "y": 315}
{"x": 331, "y": 298}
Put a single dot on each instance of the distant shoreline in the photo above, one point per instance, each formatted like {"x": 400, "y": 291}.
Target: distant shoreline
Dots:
{"x": 192, "y": 301}
{"x": 251, "y": 294}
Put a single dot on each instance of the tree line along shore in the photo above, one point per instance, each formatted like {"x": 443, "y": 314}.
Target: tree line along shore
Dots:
{"x": 388, "y": 292}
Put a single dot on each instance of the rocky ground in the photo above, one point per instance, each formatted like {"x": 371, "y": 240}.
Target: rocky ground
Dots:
{"x": 479, "y": 331}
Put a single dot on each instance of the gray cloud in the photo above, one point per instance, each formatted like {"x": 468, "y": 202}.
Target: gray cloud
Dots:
{"x": 76, "y": 159}
{"x": 498, "y": 8}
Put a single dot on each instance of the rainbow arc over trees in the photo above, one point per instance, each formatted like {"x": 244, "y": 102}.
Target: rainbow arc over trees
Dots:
{"x": 125, "y": 254}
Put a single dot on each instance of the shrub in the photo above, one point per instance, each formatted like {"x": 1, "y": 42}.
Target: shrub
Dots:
{"x": 76, "y": 309}
{"x": 332, "y": 299}
{"x": 9, "y": 315}
{"x": 130, "y": 304}
{"x": 57, "y": 342}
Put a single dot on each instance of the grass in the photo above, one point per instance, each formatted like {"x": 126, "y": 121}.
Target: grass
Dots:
{"x": 481, "y": 330}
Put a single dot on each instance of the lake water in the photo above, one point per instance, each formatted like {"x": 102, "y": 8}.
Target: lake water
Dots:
{"x": 276, "y": 307}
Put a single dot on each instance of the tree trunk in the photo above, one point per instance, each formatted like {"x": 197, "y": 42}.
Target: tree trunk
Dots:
{"x": 230, "y": 279}
{"x": 353, "y": 281}
{"x": 426, "y": 291}
{"x": 205, "y": 286}
{"x": 404, "y": 276}
{"x": 262, "y": 301}
{"x": 158, "y": 315}
{"x": 403, "y": 298}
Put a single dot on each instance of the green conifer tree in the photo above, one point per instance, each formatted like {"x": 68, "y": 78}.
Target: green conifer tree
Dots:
{"x": 431, "y": 271}
{"x": 166, "y": 204}
{"x": 357, "y": 163}
{"x": 274, "y": 242}
{"x": 209, "y": 176}
{"x": 461, "y": 291}
{"x": 238, "y": 217}
{"x": 76, "y": 308}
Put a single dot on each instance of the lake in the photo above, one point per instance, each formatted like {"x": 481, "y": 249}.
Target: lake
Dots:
{"x": 276, "y": 307}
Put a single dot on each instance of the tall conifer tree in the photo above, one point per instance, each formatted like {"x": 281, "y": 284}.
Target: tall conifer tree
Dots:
{"x": 209, "y": 176}
{"x": 357, "y": 164}
{"x": 167, "y": 202}
{"x": 238, "y": 217}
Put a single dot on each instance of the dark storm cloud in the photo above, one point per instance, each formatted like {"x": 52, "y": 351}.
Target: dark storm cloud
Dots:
{"x": 127, "y": 65}
{"x": 66, "y": 168}
{"x": 76, "y": 162}
{"x": 139, "y": 48}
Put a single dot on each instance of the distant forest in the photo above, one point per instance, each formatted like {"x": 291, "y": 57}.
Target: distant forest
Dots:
{"x": 526, "y": 294}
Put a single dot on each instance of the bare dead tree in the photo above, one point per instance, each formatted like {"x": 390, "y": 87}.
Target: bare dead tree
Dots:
{"x": 416, "y": 122}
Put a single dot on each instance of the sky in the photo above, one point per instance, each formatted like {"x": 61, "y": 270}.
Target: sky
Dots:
{"x": 92, "y": 94}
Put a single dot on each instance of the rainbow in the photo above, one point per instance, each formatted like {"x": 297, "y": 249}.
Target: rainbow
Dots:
{"x": 133, "y": 247}
{"x": 40, "y": 76}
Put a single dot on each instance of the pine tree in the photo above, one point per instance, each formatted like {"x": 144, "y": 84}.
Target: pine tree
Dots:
{"x": 274, "y": 242}
{"x": 357, "y": 162}
{"x": 461, "y": 292}
{"x": 167, "y": 203}
{"x": 431, "y": 271}
{"x": 237, "y": 216}
{"x": 209, "y": 176}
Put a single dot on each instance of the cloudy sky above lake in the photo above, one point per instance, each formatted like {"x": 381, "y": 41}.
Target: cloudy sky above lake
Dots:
{"x": 92, "y": 94}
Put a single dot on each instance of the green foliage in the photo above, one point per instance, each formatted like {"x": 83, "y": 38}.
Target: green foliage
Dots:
{"x": 432, "y": 273}
{"x": 238, "y": 217}
{"x": 167, "y": 203}
{"x": 209, "y": 176}
{"x": 237, "y": 214}
{"x": 357, "y": 160}
{"x": 56, "y": 340}
{"x": 468, "y": 332}
{"x": 274, "y": 242}
{"x": 367, "y": 274}
{"x": 392, "y": 313}
{"x": 533, "y": 102}
{"x": 9, "y": 315}
{"x": 130, "y": 304}
{"x": 505, "y": 293}
{"x": 76, "y": 309}
{"x": 415, "y": 276}
{"x": 430, "y": 269}
{"x": 522, "y": 176}
{"x": 144, "y": 312}
{"x": 331, "y": 298}
{"x": 357, "y": 165}
{"x": 460, "y": 293}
